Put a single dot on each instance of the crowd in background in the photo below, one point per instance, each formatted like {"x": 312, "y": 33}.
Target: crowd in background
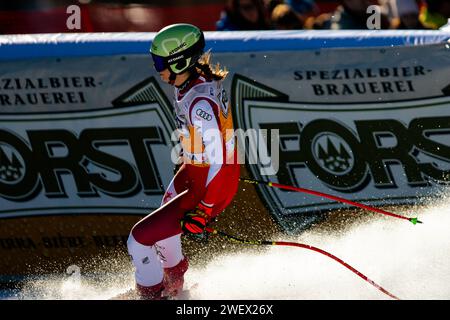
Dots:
{"x": 52, "y": 16}
{"x": 350, "y": 14}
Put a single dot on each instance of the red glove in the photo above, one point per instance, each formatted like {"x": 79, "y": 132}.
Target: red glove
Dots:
{"x": 195, "y": 221}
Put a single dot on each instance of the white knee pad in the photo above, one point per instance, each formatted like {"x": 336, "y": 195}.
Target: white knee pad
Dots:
{"x": 170, "y": 251}
{"x": 149, "y": 270}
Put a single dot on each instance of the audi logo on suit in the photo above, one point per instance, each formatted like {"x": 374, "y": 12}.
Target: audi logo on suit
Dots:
{"x": 203, "y": 114}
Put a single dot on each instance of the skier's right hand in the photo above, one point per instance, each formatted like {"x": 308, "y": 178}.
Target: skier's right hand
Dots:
{"x": 194, "y": 222}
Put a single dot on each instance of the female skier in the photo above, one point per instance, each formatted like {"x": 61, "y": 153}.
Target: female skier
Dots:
{"x": 208, "y": 177}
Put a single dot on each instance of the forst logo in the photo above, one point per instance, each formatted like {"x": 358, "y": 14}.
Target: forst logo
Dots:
{"x": 333, "y": 153}
{"x": 42, "y": 164}
{"x": 347, "y": 160}
{"x": 369, "y": 152}
{"x": 11, "y": 165}
{"x": 106, "y": 160}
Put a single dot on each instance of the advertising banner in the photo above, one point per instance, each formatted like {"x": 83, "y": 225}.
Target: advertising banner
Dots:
{"x": 368, "y": 125}
{"x": 88, "y": 136}
{"x": 106, "y": 160}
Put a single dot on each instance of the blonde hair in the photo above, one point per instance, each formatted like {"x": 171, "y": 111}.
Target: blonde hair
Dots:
{"x": 205, "y": 68}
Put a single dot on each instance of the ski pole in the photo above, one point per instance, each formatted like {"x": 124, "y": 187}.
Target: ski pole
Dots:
{"x": 329, "y": 196}
{"x": 304, "y": 246}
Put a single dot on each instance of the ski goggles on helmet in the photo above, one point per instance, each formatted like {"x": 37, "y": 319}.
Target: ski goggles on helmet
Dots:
{"x": 160, "y": 63}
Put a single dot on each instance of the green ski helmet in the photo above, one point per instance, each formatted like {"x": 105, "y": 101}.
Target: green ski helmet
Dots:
{"x": 177, "y": 47}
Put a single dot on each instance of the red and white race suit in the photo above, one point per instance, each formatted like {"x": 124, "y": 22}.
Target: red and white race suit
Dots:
{"x": 208, "y": 178}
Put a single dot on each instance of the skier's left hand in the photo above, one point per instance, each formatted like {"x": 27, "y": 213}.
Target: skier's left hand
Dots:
{"x": 194, "y": 221}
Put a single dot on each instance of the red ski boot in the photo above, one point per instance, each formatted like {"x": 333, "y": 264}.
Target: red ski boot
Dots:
{"x": 150, "y": 293}
{"x": 142, "y": 293}
{"x": 174, "y": 278}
